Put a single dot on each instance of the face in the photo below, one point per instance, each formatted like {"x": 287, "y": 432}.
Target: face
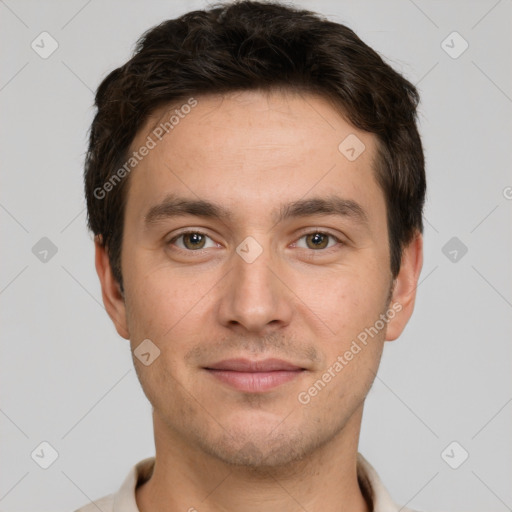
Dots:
{"x": 255, "y": 258}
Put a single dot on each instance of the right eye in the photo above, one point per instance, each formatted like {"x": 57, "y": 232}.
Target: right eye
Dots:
{"x": 192, "y": 241}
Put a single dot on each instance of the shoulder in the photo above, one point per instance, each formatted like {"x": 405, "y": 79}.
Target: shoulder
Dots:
{"x": 105, "y": 504}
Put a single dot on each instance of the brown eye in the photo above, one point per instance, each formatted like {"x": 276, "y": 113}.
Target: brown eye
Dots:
{"x": 194, "y": 241}
{"x": 317, "y": 241}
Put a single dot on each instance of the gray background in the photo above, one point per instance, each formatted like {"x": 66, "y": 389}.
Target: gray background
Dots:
{"x": 66, "y": 376}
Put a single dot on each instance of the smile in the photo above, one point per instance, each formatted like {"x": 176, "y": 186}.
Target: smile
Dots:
{"x": 254, "y": 376}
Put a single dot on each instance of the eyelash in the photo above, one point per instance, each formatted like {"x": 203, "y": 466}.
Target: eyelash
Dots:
{"x": 314, "y": 232}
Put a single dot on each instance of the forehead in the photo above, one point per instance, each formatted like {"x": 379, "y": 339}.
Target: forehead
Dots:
{"x": 253, "y": 146}
{"x": 261, "y": 121}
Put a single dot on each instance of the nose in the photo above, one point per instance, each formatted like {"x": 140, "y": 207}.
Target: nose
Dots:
{"x": 255, "y": 298}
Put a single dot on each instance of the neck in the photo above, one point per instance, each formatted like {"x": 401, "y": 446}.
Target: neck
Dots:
{"x": 186, "y": 479}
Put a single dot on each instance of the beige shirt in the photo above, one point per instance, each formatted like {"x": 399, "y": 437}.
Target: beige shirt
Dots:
{"x": 124, "y": 499}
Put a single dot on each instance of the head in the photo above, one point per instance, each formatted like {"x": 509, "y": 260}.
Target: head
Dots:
{"x": 255, "y": 184}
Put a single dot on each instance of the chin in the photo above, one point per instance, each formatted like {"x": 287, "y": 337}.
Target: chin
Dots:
{"x": 263, "y": 454}
{"x": 264, "y": 445}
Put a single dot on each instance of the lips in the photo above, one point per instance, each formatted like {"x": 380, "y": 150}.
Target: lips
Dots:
{"x": 254, "y": 376}
{"x": 246, "y": 365}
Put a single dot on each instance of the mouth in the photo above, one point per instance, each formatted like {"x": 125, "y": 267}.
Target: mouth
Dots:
{"x": 254, "y": 376}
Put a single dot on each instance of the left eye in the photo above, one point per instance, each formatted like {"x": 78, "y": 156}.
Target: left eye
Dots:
{"x": 317, "y": 241}
{"x": 193, "y": 241}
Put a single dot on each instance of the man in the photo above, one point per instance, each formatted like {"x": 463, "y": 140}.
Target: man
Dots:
{"x": 255, "y": 183}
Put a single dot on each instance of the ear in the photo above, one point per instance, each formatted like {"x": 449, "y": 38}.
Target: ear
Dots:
{"x": 110, "y": 290}
{"x": 404, "y": 288}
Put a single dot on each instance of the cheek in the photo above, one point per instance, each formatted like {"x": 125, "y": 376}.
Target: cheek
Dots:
{"x": 160, "y": 298}
{"x": 345, "y": 302}
{"x": 172, "y": 308}
{"x": 167, "y": 312}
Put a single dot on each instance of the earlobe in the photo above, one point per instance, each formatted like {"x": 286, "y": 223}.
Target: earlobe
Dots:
{"x": 405, "y": 284}
{"x": 110, "y": 290}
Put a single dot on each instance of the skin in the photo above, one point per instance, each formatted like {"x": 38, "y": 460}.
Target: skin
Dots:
{"x": 218, "y": 448}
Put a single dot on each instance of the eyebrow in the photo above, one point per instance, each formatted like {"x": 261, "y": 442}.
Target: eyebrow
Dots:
{"x": 333, "y": 205}
{"x": 173, "y": 206}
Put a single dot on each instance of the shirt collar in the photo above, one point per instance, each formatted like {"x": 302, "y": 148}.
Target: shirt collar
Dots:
{"x": 372, "y": 487}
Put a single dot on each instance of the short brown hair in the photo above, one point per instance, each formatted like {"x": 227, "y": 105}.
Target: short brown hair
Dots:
{"x": 253, "y": 45}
